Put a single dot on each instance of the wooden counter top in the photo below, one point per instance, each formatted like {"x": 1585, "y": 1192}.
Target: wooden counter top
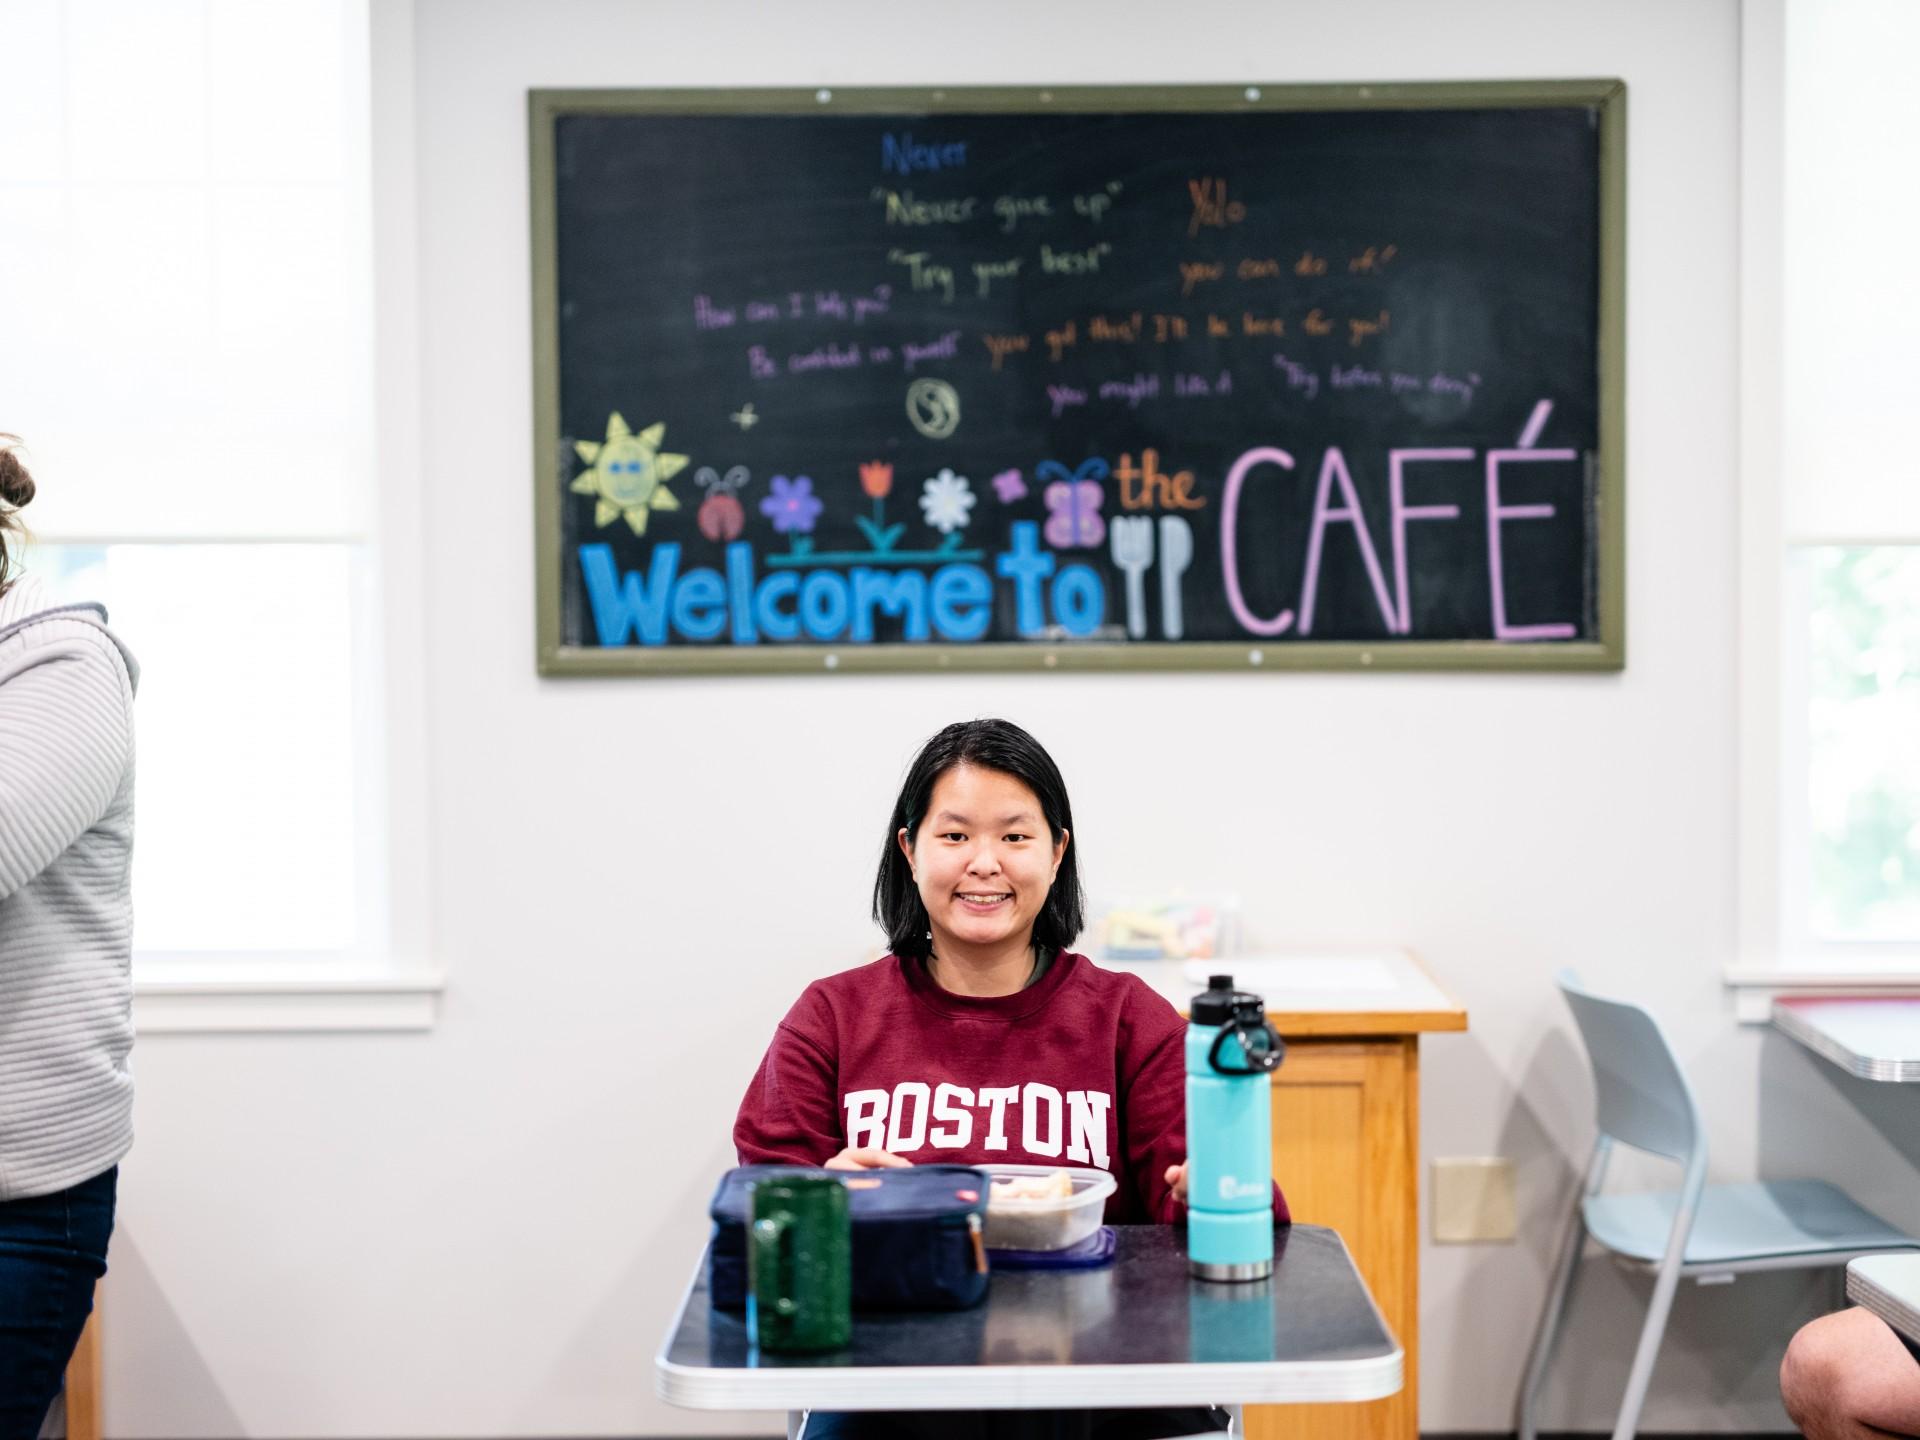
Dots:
{"x": 1378, "y": 991}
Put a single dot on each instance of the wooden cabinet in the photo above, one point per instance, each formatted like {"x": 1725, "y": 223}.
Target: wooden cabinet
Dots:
{"x": 1346, "y": 1136}
{"x": 83, "y": 1380}
{"x": 1346, "y": 1140}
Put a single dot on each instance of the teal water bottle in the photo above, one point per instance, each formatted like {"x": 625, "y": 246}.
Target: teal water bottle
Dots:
{"x": 1231, "y": 1053}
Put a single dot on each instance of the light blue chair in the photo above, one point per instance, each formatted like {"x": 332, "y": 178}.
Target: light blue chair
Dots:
{"x": 1707, "y": 1232}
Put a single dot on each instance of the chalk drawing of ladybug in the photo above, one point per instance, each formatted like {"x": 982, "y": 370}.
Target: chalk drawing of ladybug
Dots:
{"x": 721, "y": 517}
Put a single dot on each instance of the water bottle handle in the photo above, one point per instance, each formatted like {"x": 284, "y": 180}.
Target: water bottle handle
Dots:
{"x": 1258, "y": 1062}
{"x": 771, "y": 1237}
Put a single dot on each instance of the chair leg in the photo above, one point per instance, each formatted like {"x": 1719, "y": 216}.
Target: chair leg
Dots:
{"x": 1566, "y": 1269}
{"x": 1648, "y": 1350}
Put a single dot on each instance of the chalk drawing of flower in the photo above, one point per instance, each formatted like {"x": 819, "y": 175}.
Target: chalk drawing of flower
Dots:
{"x": 793, "y": 507}
{"x": 946, "y": 498}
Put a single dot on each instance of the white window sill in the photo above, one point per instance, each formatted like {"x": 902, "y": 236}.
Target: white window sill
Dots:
{"x": 1755, "y": 986}
{"x": 270, "y": 997}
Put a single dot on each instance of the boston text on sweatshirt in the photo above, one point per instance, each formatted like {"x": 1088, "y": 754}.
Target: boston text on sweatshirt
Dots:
{"x": 1085, "y": 1067}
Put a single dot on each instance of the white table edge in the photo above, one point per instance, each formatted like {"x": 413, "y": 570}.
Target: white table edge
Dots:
{"x": 1019, "y": 1387}
{"x": 1787, "y": 1018}
{"x": 1862, "y": 1290}
{"x": 1016, "y": 1387}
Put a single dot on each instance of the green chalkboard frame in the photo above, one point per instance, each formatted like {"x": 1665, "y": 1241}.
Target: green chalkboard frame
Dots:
{"x": 1607, "y": 652}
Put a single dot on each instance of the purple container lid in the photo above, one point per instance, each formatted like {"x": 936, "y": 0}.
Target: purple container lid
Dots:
{"x": 1087, "y": 1254}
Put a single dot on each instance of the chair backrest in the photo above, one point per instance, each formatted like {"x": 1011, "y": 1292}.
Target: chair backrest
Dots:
{"x": 1642, "y": 1098}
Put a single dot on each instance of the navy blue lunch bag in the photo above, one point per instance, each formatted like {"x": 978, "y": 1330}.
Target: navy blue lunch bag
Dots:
{"x": 918, "y": 1235}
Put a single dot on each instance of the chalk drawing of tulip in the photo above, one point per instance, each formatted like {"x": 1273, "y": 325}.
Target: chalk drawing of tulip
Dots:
{"x": 876, "y": 478}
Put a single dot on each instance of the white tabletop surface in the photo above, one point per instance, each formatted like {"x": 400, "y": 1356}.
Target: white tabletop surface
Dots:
{"x": 1378, "y": 980}
{"x": 1874, "y": 1038}
{"x": 1889, "y": 1286}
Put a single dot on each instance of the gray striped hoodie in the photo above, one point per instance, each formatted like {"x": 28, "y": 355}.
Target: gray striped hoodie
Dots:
{"x": 66, "y": 916}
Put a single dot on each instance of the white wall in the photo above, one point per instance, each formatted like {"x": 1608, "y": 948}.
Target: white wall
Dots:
{"x": 481, "y": 1231}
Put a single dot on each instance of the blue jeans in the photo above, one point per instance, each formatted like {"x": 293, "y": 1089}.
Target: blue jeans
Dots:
{"x": 52, "y": 1249}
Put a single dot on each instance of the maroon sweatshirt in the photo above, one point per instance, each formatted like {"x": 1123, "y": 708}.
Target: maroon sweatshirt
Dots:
{"x": 1084, "y": 1068}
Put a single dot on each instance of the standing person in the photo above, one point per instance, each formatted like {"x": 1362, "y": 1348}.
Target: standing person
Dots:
{"x": 981, "y": 1038}
{"x": 66, "y": 997}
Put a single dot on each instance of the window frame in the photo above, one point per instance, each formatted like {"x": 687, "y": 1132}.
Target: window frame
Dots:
{"x": 1776, "y": 952}
{"x": 395, "y": 982}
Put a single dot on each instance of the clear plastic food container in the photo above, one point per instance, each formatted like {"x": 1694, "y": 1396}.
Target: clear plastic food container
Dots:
{"x": 1047, "y": 1224}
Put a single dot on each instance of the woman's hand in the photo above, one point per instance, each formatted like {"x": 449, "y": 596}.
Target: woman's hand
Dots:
{"x": 867, "y": 1157}
{"x": 1177, "y": 1178}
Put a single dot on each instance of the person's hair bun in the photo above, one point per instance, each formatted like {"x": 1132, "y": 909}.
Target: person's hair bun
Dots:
{"x": 16, "y": 485}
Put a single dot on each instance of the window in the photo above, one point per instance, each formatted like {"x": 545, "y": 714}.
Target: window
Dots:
{"x": 185, "y": 268}
{"x": 1856, "y": 850}
{"x": 248, "y": 812}
{"x": 1830, "y": 698}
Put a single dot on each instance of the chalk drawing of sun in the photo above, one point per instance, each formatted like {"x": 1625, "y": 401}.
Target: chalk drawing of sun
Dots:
{"x": 629, "y": 476}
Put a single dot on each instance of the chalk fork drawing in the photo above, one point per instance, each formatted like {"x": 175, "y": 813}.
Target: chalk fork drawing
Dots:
{"x": 1131, "y": 541}
{"x": 629, "y": 476}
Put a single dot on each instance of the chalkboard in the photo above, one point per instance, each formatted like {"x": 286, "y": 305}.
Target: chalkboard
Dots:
{"x": 1248, "y": 377}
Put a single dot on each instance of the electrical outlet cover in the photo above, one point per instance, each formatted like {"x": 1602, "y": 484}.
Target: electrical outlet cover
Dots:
{"x": 1473, "y": 1200}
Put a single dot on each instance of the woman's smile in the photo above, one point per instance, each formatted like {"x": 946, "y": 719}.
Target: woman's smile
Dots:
{"x": 983, "y": 859}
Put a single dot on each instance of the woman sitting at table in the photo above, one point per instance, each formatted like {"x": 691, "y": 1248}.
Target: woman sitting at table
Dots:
{"x": 981, "y": 1039}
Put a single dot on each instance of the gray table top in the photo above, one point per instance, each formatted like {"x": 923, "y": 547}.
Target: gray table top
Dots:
{"x": 1138, "y": 1332}
{"x": 1874, "y": 1038}
{"x": 1889, "y": 1286}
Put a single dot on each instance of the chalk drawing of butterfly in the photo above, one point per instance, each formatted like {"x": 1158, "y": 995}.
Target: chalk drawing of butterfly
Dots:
{"x": 1073, "y": 503}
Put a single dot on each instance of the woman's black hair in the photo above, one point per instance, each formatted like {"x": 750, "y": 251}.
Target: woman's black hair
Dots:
{"x": 990, "y": 745}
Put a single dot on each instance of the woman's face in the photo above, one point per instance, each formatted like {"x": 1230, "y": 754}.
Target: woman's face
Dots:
{"x": 983, "y": 862}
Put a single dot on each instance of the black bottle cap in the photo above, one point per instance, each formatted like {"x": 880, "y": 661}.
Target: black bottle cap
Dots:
{"x": 1220, "y": 1002}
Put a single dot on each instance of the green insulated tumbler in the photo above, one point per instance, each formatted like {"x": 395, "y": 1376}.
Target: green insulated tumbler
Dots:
{"x": 799, "y": 1275}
